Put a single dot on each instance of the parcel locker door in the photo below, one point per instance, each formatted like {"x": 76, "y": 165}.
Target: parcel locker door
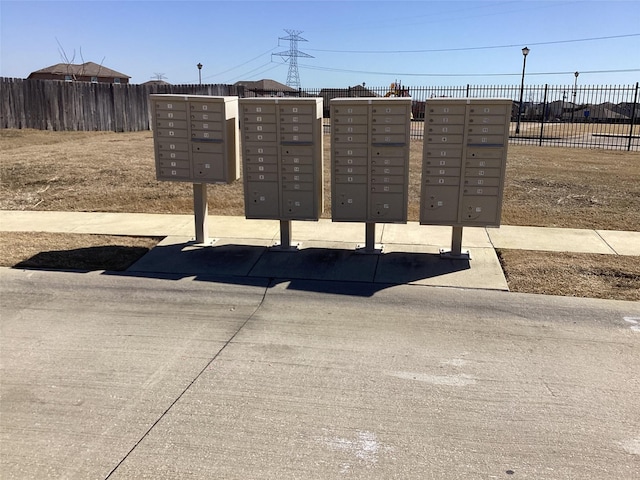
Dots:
{"x": 349, "y": 202}
{"x": 387, "y": 207}
{"x": 210, "y": 170}
{"x": 439, "y": 205}
{"x": 481, "y": 210}
{"x": 298, "y": 205}
{"x": 262, "y": 200}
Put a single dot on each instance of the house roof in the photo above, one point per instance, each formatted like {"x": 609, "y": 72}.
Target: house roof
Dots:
{"x": 264, "y": 84}
{"x": 156, "y": 82}
{"x": 87, "y": 69}
{"x": 355, "y": 91}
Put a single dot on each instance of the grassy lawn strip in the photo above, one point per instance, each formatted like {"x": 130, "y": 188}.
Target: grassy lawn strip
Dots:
{"x": 610, "y": 277}
{"x": 64, "y": 251}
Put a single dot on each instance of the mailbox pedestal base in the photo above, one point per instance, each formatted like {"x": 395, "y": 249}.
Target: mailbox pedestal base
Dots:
{"x": 201, "y": 211}
{"x": 285, "y": 244}
{"x": 456, "y": 251}
{"x": 370, "y": 247}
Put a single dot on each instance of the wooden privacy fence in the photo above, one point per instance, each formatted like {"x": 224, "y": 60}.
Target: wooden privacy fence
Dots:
{"x": 59, "y": 105}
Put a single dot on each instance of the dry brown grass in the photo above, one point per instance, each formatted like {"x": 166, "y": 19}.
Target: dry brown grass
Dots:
{"x": 569, "y": 130}
{"x": 62, "y": 251}
{"x": 114, "y": 172}
{"x": 572, "y": 187}
{"x": 572, "y": 274}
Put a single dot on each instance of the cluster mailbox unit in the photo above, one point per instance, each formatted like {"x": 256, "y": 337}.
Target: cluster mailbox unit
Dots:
{"x": 282, "y": 160}
{"x": 195, "y": 140}
{"x": 370, "y": 161}
{"x": 463, "y": 163}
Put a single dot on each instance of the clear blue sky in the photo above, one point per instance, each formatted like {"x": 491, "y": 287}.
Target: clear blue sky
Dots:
{"x": 417, "y": 42}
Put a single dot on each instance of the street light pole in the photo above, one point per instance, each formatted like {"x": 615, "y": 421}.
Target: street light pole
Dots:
{"x": 525, "y": 52}
{"x": 575, "y": 92}
{"x": 199, "y": 73}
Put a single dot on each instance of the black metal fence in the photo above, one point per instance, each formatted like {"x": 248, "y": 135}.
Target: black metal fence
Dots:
{"x": 565, "y": 115}
{"x": 561, "y": 115}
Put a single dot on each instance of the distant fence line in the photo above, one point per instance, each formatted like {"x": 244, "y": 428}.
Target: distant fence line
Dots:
{"x": 572, "y": 115}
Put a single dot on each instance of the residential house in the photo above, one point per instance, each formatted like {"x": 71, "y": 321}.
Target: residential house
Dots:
{"x": 85, "y": 72}
{"x": 266, "y": 88}
{"x": 356, "y": 91}
{"x": 156, "y": 83}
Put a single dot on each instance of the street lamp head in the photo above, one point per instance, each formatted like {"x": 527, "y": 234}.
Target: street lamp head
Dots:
{"x": 576, "y": 74}
{"x": 199, "y": 66}
{"x": 525, "y": 51}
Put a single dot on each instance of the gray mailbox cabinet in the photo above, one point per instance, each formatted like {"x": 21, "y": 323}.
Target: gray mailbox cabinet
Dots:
{"x": 195, "y": 138}
{"x": 282, "y": 158}
{"x": 370, "y": 159}
{"x": 464, "y": 161}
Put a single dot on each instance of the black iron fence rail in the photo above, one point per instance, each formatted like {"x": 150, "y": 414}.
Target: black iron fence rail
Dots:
{"x": 595, "y": 116}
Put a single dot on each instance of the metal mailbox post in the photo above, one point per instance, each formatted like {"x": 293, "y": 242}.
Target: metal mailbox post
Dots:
{"x": 282, "y": 160}
{"x": 370, "y": 162}
{"x": 195, "y": 140}
{"x": 463, "y": 164}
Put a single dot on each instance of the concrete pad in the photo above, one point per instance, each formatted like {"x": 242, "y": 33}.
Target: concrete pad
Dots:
{"x": 623, "y": 243}
{"x": 178, "y": 255}
{"x": 423, "y": 266}
{"x": 415, "y": 234}
{"x": 333, "y": 261}
{"x": 317, "y": 261}
{"x": 548, "y": 239}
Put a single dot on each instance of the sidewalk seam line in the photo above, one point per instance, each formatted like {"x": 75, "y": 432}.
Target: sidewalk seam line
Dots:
{"x": 489, "y": 237}
{"x": 204, "y": 369}
{"x": 606, "y": 243}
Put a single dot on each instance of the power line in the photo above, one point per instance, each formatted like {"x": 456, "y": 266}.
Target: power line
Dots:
{"x": 243, "y": 64}
{"x": 251, "y": 71}
{"x": 434, "y": 50}
{"x": 261, "y": 72}
{"x": 396, "y": 74}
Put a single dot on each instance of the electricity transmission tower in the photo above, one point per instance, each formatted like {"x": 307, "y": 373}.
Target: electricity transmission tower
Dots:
{"x": 291, "y": 55}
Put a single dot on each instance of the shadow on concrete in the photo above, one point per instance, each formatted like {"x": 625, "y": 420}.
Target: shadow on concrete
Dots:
{"x": 326, "y": 270}
{"x": 309, "y": 269}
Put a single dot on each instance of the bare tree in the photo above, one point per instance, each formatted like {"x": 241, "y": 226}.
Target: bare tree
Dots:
{"x": 69, "y": 62}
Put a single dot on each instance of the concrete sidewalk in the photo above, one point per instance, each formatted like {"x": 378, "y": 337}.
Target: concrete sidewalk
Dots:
{"x": 327, "y": 250}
